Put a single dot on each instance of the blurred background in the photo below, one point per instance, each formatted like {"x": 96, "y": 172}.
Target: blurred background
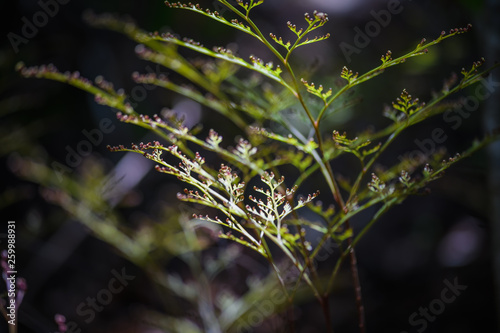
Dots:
{"x": 404, "y": 261}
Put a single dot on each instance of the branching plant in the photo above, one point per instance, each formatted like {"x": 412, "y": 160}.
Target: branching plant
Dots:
{"x": 266, "y": 217}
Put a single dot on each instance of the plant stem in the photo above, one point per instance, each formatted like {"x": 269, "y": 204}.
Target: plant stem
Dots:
{"x": 326, "y": 313}
{"x": 290, "y": 317}
{"x": 357, "y": 287}
{"x": 352, "y": 253}
{"x": 330, "y": 178}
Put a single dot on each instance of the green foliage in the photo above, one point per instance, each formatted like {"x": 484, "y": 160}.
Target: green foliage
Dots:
{"x": 255, "y": 216}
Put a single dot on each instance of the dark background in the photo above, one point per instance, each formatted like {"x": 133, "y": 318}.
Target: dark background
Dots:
{"x": 403, "y": 262}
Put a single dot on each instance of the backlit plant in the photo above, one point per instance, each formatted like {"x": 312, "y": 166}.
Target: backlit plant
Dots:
{"x": 266, "y": 216}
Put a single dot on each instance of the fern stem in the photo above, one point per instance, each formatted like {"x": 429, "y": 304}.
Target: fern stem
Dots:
{"x": 325, "y": 305}
{"x": 357, "y": 287}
